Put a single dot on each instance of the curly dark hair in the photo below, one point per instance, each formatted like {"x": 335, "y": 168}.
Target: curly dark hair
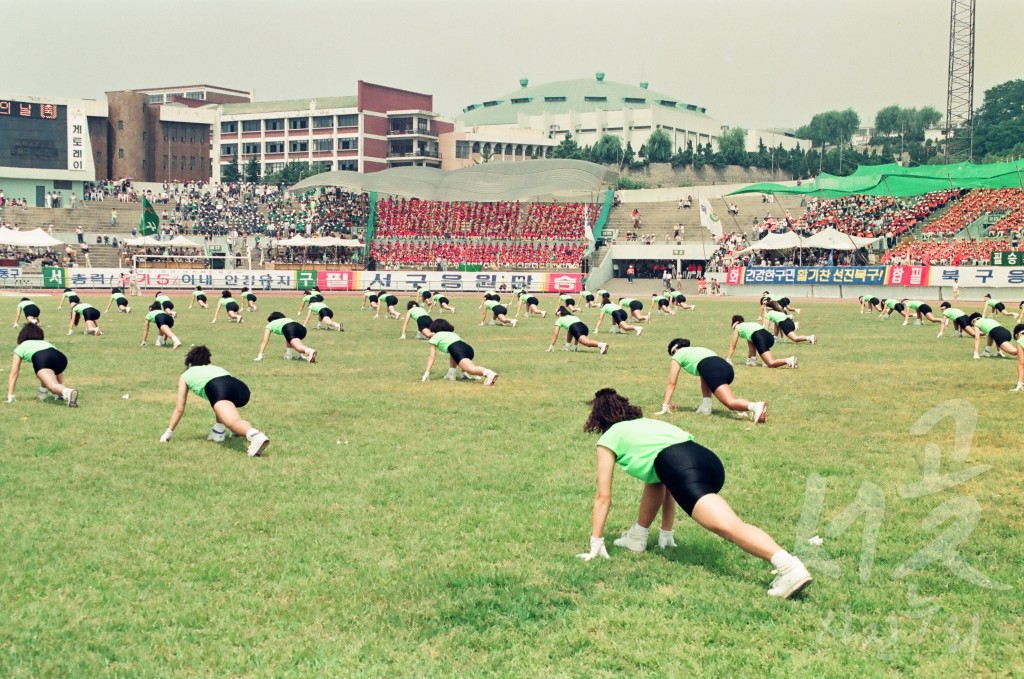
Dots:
{"x": 275, "y": 316}
{"x": 155, "y": 306}
{"x": 441, "y": 325}
{"x": 199, "y": 355}
{"x": 609, "y": 408}
{"x": 1017, "y": 330}
{"x": 411, "y": 304}
{"x": 736, "y": 319}
{"x": 31, "y": 331}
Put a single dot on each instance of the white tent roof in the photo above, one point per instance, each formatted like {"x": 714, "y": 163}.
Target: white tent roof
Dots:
{"x": 145, "y": 241}
{"x": 326, "y": 242}
{"x": 776, "y": 241}
{"x": 37, "y": 238}
{"x": 836, "y": 240}
{"x": 182, "y": 242}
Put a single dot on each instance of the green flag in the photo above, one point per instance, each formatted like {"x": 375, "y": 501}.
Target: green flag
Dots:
{"x": 149, "y": 222}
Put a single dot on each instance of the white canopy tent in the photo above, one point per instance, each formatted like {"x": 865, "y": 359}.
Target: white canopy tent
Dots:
{"x": 182, "y": 242}
{"x": 145, "y": 241}
{"x": 37, "y": 238}
{"x": 776, "y": 241}
{"x": 325, "y": 242}
{"x": 837, "y": 240}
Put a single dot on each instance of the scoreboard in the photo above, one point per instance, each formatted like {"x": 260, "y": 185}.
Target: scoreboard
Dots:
{"x": 36, "y": 135}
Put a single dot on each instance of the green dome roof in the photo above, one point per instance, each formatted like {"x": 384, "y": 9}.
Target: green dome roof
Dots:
{"x": 570, "y": 95}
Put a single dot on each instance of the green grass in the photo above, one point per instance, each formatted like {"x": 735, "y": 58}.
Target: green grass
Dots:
{"x": 407, "y": 529}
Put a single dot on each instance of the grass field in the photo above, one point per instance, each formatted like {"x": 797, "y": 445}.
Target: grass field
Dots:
{"x": 398, "y": 528}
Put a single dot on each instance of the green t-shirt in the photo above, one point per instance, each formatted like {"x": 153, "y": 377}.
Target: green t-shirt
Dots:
{"x": 116, "y": 296}
{"x": 198, "y": 376}
{"x": 25, "y": 303}
{"x": 443, "y": 340}
{"x": 747, "y": 330}
{"x": 953, "y": 313}
{"x": 625, "y": 302}
{"x": 70, "y": 293}
{"x": 224, "y": 301}
{"x": 79, "y": 308}
{"x": 423, "y": 291}
{"x": 490, "y": 303}
{"x": 565, "y": 298}
{"x": 991, "y": 303}
{"x": 636, "y": 444}
{"x": 610, "y": 308}
{"x": 689, "y": 357}
{"x": 417, "y": 312}
{"x": 275, "y": 326}
{"x": 986, "y": 325}
{"x": 565, "y": 321}
{"x": 197, "y": 293}
{"x": 317, "y": 307}
{"x": 163, "y": 298}
{"x": 776, "y": 316}
{"x": 891, "y": 303}
{"x": 151, "y": 316}
{"x": 659, "y": 298}
{"x": 29, "y": 348}
{"x": 368, "y": 294}
{"x": 913, "y": 304}
{"x": 524, "y": 296}
{"x": 601, "y": 293}
{"x": 586, "y": 293}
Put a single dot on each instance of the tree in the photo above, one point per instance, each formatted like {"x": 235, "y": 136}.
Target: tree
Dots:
{"x": 909, "y": 123}
{"x": 568, "y": 148}
{"x": 832, "y": 127}
{"x": 659, "y": 147}
{"x": 732, "y": 147}
{"x": 628, "y": 156}
{"x": 230, "y": 173}
{"x": 683, "y": 158}
{"x": 607, "y": 150}
{"x": 999, "y": 122}
{"x": 252, "y": 170}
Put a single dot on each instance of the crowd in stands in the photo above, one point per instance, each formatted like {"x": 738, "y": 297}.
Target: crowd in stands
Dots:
{"x": 396, "y": 254}
{"x": 25, "y": 256}
{"x": 992, "y": 203}
{"x": 947, "y": 253}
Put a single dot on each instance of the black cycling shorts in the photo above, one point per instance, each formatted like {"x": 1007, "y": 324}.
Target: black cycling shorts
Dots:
{"x": 715, "y": 371}
{"x": 427, "y": 295}
{"x": 569, "y": 302}
{"x": 999, "y": 306}
{"x": 200, "y": 298}
{"x": 49, "y": 359}
{"x": 680, "y": 299}
{"x": 227, "y": 388}
{"x": 390, "y": 300}
{"x": 423, "y": 322}
{"x": 531, "y": 301}
{"x": 325, "y": 313}
{"x": 31, "y": 310}
{"x": 164, "y": 319}
{"x": 762, "y": 341}
{"x": 231, "y": 306}
{"x": 636, "y": 306}
{"x": 578, "y": 330}
{"x": 787, "y": 326}
{"x": 589, "y": 298}
{"x": 898, "y": 308}
{"x": 618, "y": 316}
{"x": 499, "y": 310}
{"x": 372, "y": 298}
{"x": 168, "y": 306}
{"x": 784, "y": 302}
{"x": 1000, "y": 335}
{"x": 120, "y": 301}
{"x": 689, "y": 471}
{"x": 460, "y": 350}
{"x": 441, "y": 299}
{"x": 963, "y": 322}
{"x": 924, "y": 309}
{"x": 873, "y": 301}
{"x": 91, "y": 315}
{"x": 250, "y": 297}
{"x": 292, "y": 331}
{"x": 73, "y": 299}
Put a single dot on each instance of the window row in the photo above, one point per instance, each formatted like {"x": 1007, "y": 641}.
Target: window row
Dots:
{"x": 297, "y": 146}
{"x": 300, "y": 123}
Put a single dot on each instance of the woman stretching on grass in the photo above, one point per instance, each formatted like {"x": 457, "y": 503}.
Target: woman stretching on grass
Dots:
{"x": 618, "y": 316}
{"x": 293, "y": 334}
{"x": 29, "y": 310}
{"x": 388, "y": 302}
{"x": 576, "y": 333}
{"x": 961, "y": 321}
{"x": 679, "y": 300}
{"x": 230, "y": 306}
{"x": 311, "y": 296}
{"x": 250, "y": 299}
{"x": 91, "y": 315}
{"x": 715, "y": 373}
{"x": 226, "y": 395}
{"x": 70, "y": 296}
{"x": 870, "y": 303}
{"x": 1018, "y": 336}
{"x": 163, "y": 322}
{"x": 325, "y": 316}
{"x": 997, "y": 335}
{"x": 48, "y": 364}
{"x": 667, "y": 458}
{"x": 784, "y": 325}
{"x": 759, "y": 343}
{"x": 117, "y": 297}
{"x": 498, "y": 310}
{"x": 460, "y": 354}
{"x": 923, "y": 311}
{"x": 198, "y": 298}
{"x": 423, "y": 320}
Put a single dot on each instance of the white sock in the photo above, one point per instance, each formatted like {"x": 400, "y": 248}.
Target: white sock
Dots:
{"x": 751, "y": 406}
{"x": 219, "y": 428}
{"x": 781, "y": 558}
{"x": 251, "y": 434}
{"x": 638, "y": 531}
{"x": 66, "y": 393}
{"x": 705, "y": 402}
{"x": 665, "y": 533}
{"x": 451, "y": 372}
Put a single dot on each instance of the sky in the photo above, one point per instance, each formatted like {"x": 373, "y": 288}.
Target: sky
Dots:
{"x": 751, "y": 63}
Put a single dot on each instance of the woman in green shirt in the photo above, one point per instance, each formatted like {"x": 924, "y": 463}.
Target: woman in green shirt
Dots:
{"x": 198, "y": 297}
{"x": 531, "y": 302}
{"x": 29, "y": 309}
{"x": 498, "y": 310}
{"x": 48, "y": 364}
{"x": 715, "y": 373}
{"x": 1018, "y": 336}
{"x": 662, "y": 304}
{"x": 443, "y": 303}
{"x": 679, "y": 300}
{"x": 164, "y": 322}
{"x": 230, "y": 306}
{"x": 423, "y": 320}
{"x": 667, "y": 458}
{"x": 759, "y": 343}
{"x": 426, "y": 295}
{"x": 226, "y": 395}
{"x": 460, "y": 354}
{"x": 312, "y": 296}
{"x": 997, "y": 335}
{"x": 636, "y": 308}
{"x": 91, "y": 315}
{"x": 250, "y": 299}
{"x": 388, "y": 302}
{"x": 996, "y": 307}
{"x": 325, "y": 315}
{"x": 166, "y": 303}
{"x": 870, "y": 302}
{"x": 961, "y": 321}
{"x": 293, "y": 334}
{"x": 576, "y": 333}
{"x": 117, "y": 296}
{"x": 618, "y": 316}
{"x": 70, "y": 296}
{"x": 784, "y": 324}
{"x": 369, "y": 297}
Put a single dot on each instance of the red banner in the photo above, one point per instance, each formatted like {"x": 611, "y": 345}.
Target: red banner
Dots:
{"x": 907, "y": 275}
{"x": 335, "y": 280}
{"x": 563, "y": 282}
{"x": 734, "y": 275}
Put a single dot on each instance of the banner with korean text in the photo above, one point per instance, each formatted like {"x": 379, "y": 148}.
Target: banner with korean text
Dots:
{"x": 806, "y": 275}
{"x": 978, "y": 276}
{"x": 84, "y": 277}
{"x": 452, "y": 281}
{"x": 916, "y": 276}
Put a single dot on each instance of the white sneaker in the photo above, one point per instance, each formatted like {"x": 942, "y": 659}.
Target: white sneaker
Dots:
{"x": 177, "y": 343}
{"x": 760, "y": 412}
{"x": 43, "y": 393}
{"x": 918, "y": 322}
{"x": 753, "y": 362}
{"x": 703, "y": 410}
{"x": 602, "y": 347}
{"x": 976, "y": 356}
{"x": 543, "y": 314}
{"x": 796, "y": 325}
{"x": 792, "y": 580}
{"x": 216, "y": 436}
{"x": 634, "y": 543}
{"x": 639, "y": 331}
{"x": 258, "y": 444}
{"x": 514, "y": 322}
{"x": 311, "y": 356}
{"x": 792, "y": 362}
{"x": 449, "y": 377}
{"x": 73, "y": 398}
{"x": 811, "y": 339}
{"x": 159, "y": 341}
{"x": 490, "y": 377}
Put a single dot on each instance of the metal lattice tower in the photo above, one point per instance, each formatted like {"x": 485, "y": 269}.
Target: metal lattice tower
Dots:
{"x": 960, "y": 91}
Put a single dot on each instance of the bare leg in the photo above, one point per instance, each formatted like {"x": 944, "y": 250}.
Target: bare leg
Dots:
{"x": 54, "y": 383}
{"x": 728, "y": 399}
{"x": 715, "y": 514}
{"x": 586, "y": 341}
{"x": 796, "y": 338}
{"x": 1008, "y": 348}
{"x": 298, "y": 346}
{"x": 471, "y": 368}
{"x": 650, "y": 502}
{"x": 773, "y": 362}
{"x": 627, "y": 327}
{"x": 227, "y": 414}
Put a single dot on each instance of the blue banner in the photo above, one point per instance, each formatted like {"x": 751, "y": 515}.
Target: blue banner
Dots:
{"x": 814, "y": 275}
